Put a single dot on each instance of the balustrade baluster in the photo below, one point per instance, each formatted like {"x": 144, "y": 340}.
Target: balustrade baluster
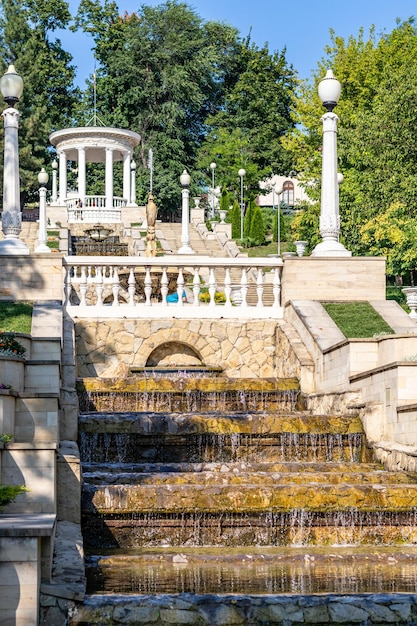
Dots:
{"x": 164, "y": 286}
{"x": 99, "y": 285}
{"x": 68, "y": 285}
{"x": 259, "y": 287}
{"x": 277, "y": 287}
{"x": 148, "y": 286}
{"x": 131, "y": 286}
{"x": 196, "y": 286}
{"x": 228, "y": 287}
{"x": 212, "y": 287}
{"x": 180, "y": 287}
{"x": 83, "y": 287}
{"x": 115, "y": 285}
{"x": 244, "y": 287}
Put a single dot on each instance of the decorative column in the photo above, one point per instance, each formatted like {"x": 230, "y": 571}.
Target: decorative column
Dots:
{"x": 11, "y": 86}
{"x": 81, "y": 175}
{"x": 241, "y": 173}
{"x": 42, "y": 233}
{"x": 133, "y": 183}
{"x": 329, "y": 92}
{"x": 109, "y": 179}
{"x": 185, "y": 232}
{"x": 62, "y": 177}
{"x": 126, "y": 177}
{"x": 54, "y": 195}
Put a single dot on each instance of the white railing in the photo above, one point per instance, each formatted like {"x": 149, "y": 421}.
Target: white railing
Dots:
{"x": 143, "y": 287}
{"x": 94, "y": 210}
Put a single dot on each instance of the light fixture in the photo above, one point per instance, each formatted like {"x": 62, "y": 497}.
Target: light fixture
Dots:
{"x": 11, "y": 86}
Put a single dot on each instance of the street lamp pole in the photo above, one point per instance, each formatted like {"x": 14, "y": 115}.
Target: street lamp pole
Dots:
{"x": 278, "y": 192}
{"x": 11, "y": 87}
{"x": 241, "y": 173}
{"x": 212, "y": 167}
{"x": 329, "y": 92}
{"x": 42, "y": 234}
{"x": 185, "y": 180}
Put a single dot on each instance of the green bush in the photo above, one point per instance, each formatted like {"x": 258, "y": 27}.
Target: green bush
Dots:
{"x": 219, "y": 297}
{"x": 9, "y": 493}
{"x": 9, "y": 346}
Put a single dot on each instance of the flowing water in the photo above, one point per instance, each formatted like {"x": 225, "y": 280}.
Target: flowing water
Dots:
{"x": 205, "y": 488}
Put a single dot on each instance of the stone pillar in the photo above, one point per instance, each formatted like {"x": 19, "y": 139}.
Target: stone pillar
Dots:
{"x": 81, "y": 174}
{"x": 109, "y": 178}
{"x": 133, "y": 183}
{"x": 54, "y": 195}
{"x": 12, "y": 216}
{"x": 62, "y": 177}
{"x": 126, "y": 177}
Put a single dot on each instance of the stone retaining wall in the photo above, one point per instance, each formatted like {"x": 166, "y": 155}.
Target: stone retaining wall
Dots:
{"x": 243, "y": 349}
{"x": 242, "y": 610}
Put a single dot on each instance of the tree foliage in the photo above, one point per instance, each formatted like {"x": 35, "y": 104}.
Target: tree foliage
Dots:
{"x": 49, "y": 96}
{"x": 161, "y": 73}
{"x": 376, "y": 140}
{"x": 247, "y": 130}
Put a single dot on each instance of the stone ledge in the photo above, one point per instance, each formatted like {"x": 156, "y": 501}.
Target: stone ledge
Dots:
{"x": 41, "y": 525}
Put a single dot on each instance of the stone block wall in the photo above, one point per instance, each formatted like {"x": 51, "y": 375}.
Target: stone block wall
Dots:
{"x": 38, "y": 277}
{"x": 243, "y": 349}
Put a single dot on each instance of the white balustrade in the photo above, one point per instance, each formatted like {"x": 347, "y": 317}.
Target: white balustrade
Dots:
{"x": 94, "y": 210}
{"x": 135, "y": 287}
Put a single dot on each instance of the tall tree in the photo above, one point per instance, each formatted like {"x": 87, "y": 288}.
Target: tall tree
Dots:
{"x": 49, "y": 96}
{"x": 247, "y": 131}
{"x": 377, "y": 123}
{"x": 161, "y": 72}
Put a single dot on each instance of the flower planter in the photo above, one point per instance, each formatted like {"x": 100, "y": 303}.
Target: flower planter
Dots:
{"x": 12, "y": 371}
{"x": 411, "y": 294}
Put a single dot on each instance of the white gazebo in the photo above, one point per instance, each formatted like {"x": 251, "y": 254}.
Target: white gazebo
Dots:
{"x": 95, "y": 144}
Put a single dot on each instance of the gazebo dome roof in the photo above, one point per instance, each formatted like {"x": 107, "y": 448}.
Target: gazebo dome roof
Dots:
{"x": 95, "y": 140}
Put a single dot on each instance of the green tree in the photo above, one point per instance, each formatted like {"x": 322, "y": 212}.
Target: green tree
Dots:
{"x": 257, "y": 229}
{"x": 49, "y": 96}
{"x": 376, "y": 123}
{"x": 235, "y": 219}
{"x": 247, "y": 224}
{"x": 161, "y": 73}
{"x": 247, "y": 130}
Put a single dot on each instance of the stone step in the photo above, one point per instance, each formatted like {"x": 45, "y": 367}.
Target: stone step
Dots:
{"x": 216, "y": 424}
{"x": 348, "y": 477}
{"x": 225, "y": 468}
{"x": 248, "y": 498}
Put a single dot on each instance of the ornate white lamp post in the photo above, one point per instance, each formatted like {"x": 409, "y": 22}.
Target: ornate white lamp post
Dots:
{"x": 329, "y": 92}
{"x": 185, "y": 233}
{"x": 11, "y": 87}
{"x": 241, "y": 173}
{"x": 213, "y": 198}
{"x": 278, "y": 192}
{"x": 54, "y": 195}
{"x": 42, "y": 234}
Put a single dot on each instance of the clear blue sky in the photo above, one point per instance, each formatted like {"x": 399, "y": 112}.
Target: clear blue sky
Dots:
{"x": 301, "y": 26}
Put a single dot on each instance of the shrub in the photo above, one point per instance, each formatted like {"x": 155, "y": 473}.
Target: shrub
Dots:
{"x": 9, "y": 346}
{"x": 219, "y": 297}
{"x": 8, "y": 493}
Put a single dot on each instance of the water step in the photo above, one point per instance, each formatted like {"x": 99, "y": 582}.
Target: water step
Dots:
{"x": 240, "y": 477}
{"x": 248, "y": 497}
{"x": 215, "y": 423}
{"x": 307, "y": 570}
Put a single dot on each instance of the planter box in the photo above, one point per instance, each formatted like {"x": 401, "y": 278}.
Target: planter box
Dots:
{"x": 12, "y": 371}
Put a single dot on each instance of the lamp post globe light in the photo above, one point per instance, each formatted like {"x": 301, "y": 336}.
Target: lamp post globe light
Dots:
{"x": 329, "y": 91}
{"x": 185, "y": 180}
{"x": 11, "y": 87}
{"x": 241, "y": 173}
{"x": 42, "y": 234}
{"x": 213, "y": 208}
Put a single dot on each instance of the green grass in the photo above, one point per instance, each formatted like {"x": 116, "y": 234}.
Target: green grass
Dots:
{"x": 357, "y": 319}
{"x": 16, "y": 317}
{"x": 269, "y": 248}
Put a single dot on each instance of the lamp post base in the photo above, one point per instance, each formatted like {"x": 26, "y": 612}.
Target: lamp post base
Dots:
{"x": 13, "y": 246}
{"x": 185, "y": 249}
{"x": 330, "y": 247}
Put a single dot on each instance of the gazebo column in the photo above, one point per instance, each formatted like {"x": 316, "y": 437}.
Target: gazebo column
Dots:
{"x": 81, "y": 174}
{"x": 109, "y": 178}
{"x": 126, "y": 177}
{"x": 62, "y": 177}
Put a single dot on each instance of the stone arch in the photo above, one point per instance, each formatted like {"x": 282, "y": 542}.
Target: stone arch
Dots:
{"x": 177, "y": 336}
{"x": 174, "y": 354}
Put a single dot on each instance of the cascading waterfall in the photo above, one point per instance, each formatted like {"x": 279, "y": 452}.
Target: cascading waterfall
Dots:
{"x": 203, "y": 488}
